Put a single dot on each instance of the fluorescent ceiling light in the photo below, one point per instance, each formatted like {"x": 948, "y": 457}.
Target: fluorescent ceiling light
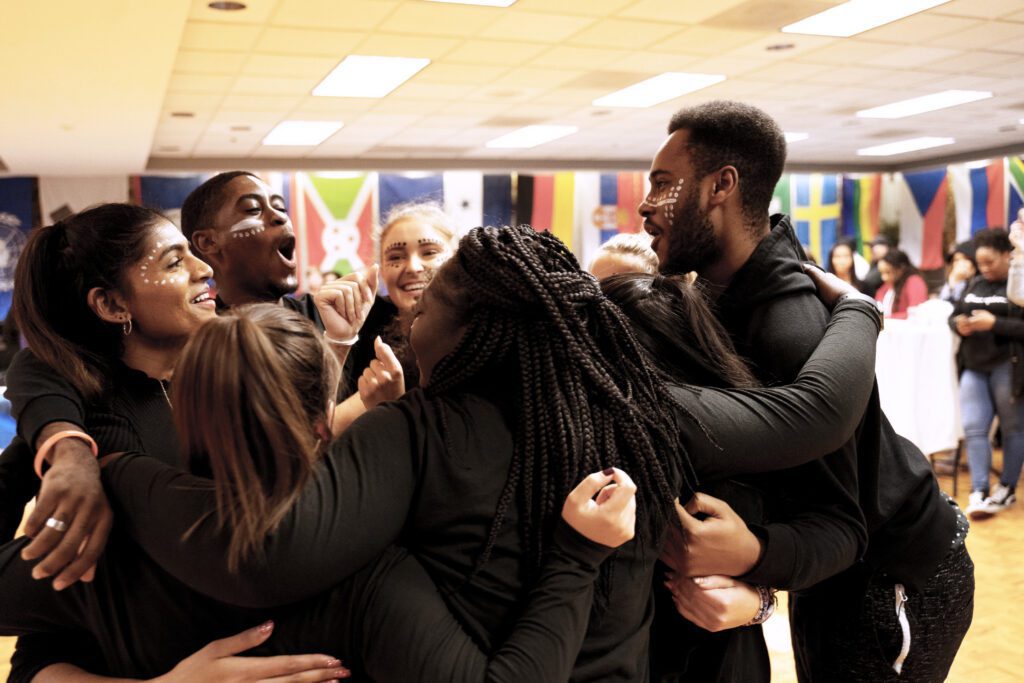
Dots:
{"x": 531, "y": 136}
{"x": 485, "y": 3}
{"x": 308, "y": 133}
{"x": 904, "y": 146}
{"x": 661, "y": 88}
{"x": 857, "y": 16}
{"x": 920, "y": 105}
{"x": 368, "y": 76}
{"x": 796, "y": 137}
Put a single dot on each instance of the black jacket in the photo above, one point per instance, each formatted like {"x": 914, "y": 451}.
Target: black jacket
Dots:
{"x": 984, "y": 351}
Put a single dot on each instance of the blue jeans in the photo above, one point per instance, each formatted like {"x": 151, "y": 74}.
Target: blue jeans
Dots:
{"x": 982, "y": 396}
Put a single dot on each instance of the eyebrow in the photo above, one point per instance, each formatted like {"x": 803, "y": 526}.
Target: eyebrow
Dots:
{"x": 658, "y": 172}
{"x": 173, "y": 247}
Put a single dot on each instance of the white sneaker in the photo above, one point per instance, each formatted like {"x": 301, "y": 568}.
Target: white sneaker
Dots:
{"x": 977, "y": 507}
{"x": 1002, "y": 497}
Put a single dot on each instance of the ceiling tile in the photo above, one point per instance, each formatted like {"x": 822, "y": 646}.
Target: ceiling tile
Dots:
{"x": 494, "y": 52}
{"x": 702, "y": 40}
{"x": 725, "y": 65}
{"x": 566, "y": 57}
{"x": 292, "y": 67}
{"x": 279, "y": 104}
{"x": 975, "y": 61}
{"x": 465, "y": 74}
{"x": 997, "y": 36}
{"x": 351, "y": 15}
{"x": 531, "y": 26}
{"x": 911, "y": 57}
{"x": 989, "y": 9}
{"x": 255, "y": 12}
{"x": 651, "y": 62}
{"x": 677, "y": 11}
{"x": 623, "y": 33}
{"x": 759, "y": 49}
{"x": 199, "y": 83}
{"x": 263, "y": 85}
{"x": 433, "y": 91}
{"x": 197, "y": 102}
{"x": 850, "y": 51}
{"x": 203, "y": 62}
{"x": 788, "y": 72}
{"x": 536, "y": 78}
{"x": 918, "y": 28}
{"x": 393, "y": 45}
{"x": 590, "y": 8}
{"x": 211, "y": 36}
{"x": 440, "y": 19}
{"x": 297, "y": 41}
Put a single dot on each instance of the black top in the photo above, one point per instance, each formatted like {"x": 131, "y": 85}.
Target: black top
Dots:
{"x": 382, "y": 320}
{"x": 133, "y": 414}
{"x": 394, "y": 476}
{"x": 775, "y": 320}
{"x": 984, "y": 351}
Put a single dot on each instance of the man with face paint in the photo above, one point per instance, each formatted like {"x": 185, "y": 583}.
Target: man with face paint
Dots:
{"x": 711, "y": 184}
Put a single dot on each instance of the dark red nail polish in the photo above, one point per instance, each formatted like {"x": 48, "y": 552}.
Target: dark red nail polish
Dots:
{"x": 608, "y": 471}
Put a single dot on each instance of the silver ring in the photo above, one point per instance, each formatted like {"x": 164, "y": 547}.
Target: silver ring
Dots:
{"x": 57, "y": 525}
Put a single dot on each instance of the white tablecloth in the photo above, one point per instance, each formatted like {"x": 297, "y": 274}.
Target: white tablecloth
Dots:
{"x": 917, "y": 382}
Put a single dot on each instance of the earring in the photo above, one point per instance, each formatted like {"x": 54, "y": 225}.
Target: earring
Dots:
{"x": 126, "y": 327}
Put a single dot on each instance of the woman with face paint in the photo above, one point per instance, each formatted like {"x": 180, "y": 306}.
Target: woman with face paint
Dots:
{"x": 107, "y": 299}
{"x": 414, "y": 241}
{"x": 471, "y": 471}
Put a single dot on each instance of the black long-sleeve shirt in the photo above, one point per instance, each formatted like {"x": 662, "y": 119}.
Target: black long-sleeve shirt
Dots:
{"x": 984, "y": 351}
{"x": 393, "y": 476}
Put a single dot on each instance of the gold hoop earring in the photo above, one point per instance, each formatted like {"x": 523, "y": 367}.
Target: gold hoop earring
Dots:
{"x": 126, "y": 327}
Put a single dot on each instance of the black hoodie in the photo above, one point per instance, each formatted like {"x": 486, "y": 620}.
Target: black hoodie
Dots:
{"x": 776, "y": 320}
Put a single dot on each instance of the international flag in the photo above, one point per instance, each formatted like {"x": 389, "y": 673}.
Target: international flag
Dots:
{"x": 861, "y": 209}
{"x": 404, "y": 188}
{"x": 781, "y": 197}
{"x": 979, "y": 194}
{"x": 17, "y": 216}
{"x": 548, "y": 202}
{"x": 816, "y": 211}
{"x": 333, "y": 216}
{"x": 473, "y": 198}
{"x": 166, "y": 194}
{"x": 1014, "y": 188}
{"x": 922, "y": 217}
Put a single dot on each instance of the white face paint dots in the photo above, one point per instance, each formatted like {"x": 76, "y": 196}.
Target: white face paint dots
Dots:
{"x": 668, "y": 199}
{"x": 247, "y": 227}
{"x": 150, "y": 270}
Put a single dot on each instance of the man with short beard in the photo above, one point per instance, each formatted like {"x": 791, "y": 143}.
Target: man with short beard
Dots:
{"x": 711, "y": 185}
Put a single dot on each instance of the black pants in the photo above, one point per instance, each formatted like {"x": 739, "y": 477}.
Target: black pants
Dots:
{"x": 847, "y": 630}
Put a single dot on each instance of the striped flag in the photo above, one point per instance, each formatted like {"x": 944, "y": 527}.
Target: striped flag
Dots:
{"x": 1014, "y": 188}
{"x": 816, "y": 211}
{"x": 922, "y": 217}
{"x": 980, "y": 197}
{"x": 861, "y": 206}
{"x": 547, "y": 202}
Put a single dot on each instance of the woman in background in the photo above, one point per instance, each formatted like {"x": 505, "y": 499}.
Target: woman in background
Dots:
{"x": 841, "y": 263}
{"x": 902, "y": 285}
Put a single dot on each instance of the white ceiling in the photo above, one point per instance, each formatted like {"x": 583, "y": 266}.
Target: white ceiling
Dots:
{"x": 93, "y": 87}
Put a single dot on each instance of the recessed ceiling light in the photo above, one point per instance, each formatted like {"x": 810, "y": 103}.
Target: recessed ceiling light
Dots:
{"x": 169, "y": 148}
{"x": 241, "y": 129}
{"x": 904, "y": 146}
{"x": 227, "y": 6}
{"x": 857, "y": 16}
{"x": 484, "y": 3}
{"x": 796, "y": 137}
{"x": 368, "y": 76}
{"x": 531, "y": 136}
{"x": 304, "y": 133}
{"x": 661, "y": 88}
{"x": 183, "y": 114}
{"x": 920, "y": 105}
{"x": 779, "y": 47}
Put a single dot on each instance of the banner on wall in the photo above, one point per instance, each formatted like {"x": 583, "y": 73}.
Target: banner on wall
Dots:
{"x": 923, "y": 198}
{"x": 474, "y": 199}
{"x": 815, "y": 204}
{"x": 17, "y": 209}
{"x": 979, "y": 194}
{"x": 862, "y": 197}
{"x": 1014, "y": 188}
{"x": 166, "y": 194}
{"x": 333, "y": 216}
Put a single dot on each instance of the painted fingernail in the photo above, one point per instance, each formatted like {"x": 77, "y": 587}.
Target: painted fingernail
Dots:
{"x": 331, "y": 663}
{"x": 608, "y": 471}
{"x": 343, "y": 673}
{"x": 265, "y": 627}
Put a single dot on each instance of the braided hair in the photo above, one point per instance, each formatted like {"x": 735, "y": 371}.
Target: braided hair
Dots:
{"x": 585, "y": 396}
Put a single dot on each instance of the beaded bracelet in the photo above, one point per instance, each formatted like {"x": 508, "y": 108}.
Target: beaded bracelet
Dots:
{"x": 768, "y": 604}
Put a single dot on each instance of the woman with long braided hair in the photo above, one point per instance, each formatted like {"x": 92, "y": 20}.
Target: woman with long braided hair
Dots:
{"x": 531, "y": 379}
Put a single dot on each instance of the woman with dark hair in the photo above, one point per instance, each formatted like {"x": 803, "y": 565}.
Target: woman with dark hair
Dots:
{"x": 902, "y": 285}
{"x": 841, "y": 263}
{"x": 992, "y": 331}
{"x": 962, "y": 270}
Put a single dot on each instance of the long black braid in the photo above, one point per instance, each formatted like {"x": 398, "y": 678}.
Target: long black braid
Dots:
{"x": 586, "y": 398}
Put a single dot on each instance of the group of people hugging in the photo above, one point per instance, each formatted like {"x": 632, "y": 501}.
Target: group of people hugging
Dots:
{"x": 503, "y": 469}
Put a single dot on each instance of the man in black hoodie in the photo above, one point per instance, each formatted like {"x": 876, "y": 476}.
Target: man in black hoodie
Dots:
{"x": 711, "y": 185}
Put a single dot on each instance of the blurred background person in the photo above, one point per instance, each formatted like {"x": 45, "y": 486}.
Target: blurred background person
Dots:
{"x": 902, "y": 284}
{"x": 624, "y": 253}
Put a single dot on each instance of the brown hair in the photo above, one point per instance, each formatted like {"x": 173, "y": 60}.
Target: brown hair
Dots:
{"x": 56, "y": 270}
{"x": 249, "y": 389}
